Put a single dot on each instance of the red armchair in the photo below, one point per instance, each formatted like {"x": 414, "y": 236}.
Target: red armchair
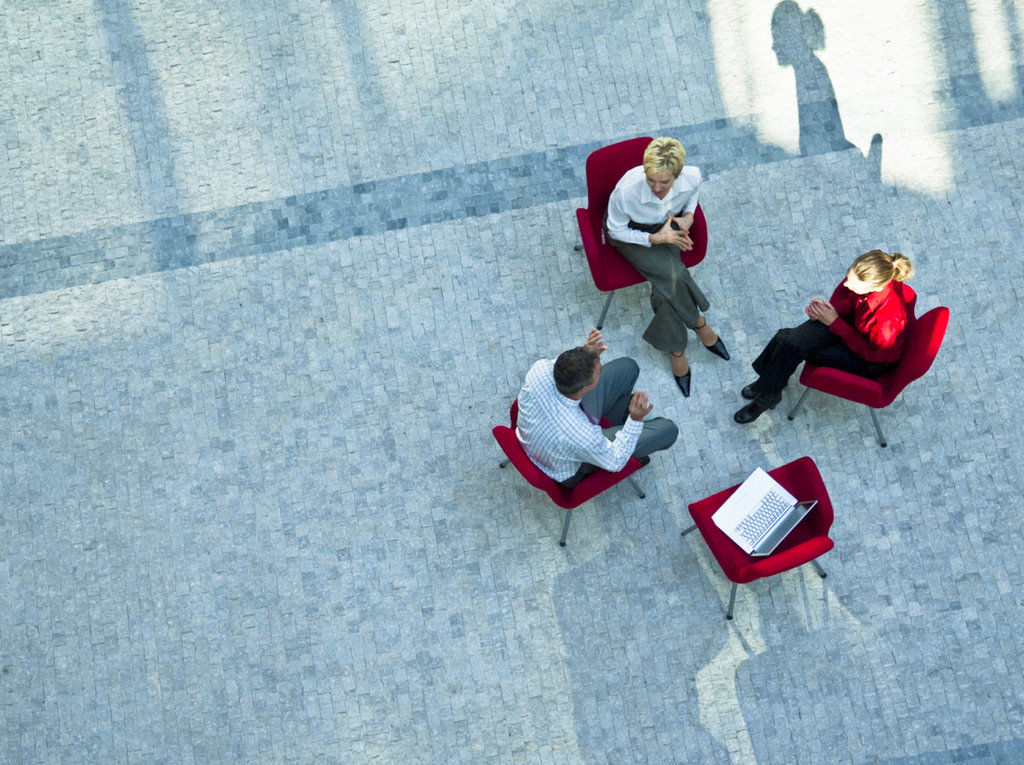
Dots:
{"x": 924, "y": 336}
{"x": 610, "y": 270}
{"x": 567, "y": 499}
{"x": 805, "y": 542}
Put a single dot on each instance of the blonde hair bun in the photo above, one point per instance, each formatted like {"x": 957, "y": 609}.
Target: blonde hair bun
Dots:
{"x": 877, "y": 268}
{"x": 902, "y": 268}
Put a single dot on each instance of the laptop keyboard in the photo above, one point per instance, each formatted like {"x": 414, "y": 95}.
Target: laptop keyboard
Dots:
{"x": 753, "y": 527}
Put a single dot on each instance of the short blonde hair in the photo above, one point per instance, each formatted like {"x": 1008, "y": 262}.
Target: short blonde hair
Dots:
{"x": 877, "y": 268}
{"x": 664, "y": 155}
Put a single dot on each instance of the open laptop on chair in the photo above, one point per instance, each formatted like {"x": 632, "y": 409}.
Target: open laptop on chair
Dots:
{"x": 760, "y": 514}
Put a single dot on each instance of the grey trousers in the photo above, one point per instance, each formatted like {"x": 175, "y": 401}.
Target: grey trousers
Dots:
{"x": 676, "y": 299}
{"x": 610, "y": 399}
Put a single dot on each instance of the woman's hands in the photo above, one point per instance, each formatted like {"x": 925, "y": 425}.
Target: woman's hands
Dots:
{"x": 679, "y": 236}
{"x": 821, "y": 310}
{"x": 684, "y": 222}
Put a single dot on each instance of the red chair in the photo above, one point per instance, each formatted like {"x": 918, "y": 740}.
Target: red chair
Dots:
{"x": 610, "y": 270}
{"x": 805, "y": 542}
{"x": 568, "y": 499}
{"x": 924, "y": 336}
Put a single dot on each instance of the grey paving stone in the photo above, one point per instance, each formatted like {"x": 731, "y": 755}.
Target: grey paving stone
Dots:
{"x": 268, "y": 276}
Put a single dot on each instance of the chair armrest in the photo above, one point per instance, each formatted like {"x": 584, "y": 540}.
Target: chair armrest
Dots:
{"x": 591, "y": 240}
{"x": 699, "y": 235}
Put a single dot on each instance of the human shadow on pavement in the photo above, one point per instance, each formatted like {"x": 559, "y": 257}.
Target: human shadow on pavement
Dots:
{"x": 796, "y": 35}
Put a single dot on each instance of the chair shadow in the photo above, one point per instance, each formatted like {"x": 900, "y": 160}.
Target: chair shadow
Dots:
{"x": 626, "y": 660}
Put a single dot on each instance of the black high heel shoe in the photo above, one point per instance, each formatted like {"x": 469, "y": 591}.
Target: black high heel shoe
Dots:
{"x": 718, "y": 348}
{"x": 683, "y": 381}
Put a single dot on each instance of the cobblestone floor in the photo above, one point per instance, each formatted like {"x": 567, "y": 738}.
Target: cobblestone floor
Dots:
{"x": 270, "y": 272}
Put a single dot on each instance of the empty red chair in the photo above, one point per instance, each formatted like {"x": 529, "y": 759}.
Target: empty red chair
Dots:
{"x": 924, "y": 336}
{"x": 568, "y": 499}
{"x": 610, "y": 269}
{"x": 808, "y": 540}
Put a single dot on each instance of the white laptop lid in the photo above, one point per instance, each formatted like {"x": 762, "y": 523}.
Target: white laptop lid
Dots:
{"x": 744, "y": 501}
{"x": 746, "y": 498}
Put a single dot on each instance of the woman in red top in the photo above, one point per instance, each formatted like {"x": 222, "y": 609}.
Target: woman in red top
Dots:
{"x": 859, "y": 330}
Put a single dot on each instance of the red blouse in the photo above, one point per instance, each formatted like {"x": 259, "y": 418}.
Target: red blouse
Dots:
{"x": 872, "y": 325}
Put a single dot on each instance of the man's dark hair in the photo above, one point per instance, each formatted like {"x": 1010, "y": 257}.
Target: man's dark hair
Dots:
{"x": 574, "y": 369}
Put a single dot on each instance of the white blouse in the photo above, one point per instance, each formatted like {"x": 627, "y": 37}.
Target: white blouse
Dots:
{"x": 633, "y": 200}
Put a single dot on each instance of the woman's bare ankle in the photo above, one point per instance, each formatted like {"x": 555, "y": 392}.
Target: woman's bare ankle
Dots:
{"x": 707, "y": 335}
{"x": 680, "y": 364}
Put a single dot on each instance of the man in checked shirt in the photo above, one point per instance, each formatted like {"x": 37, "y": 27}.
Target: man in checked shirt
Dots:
{"x": 561, "y": 405}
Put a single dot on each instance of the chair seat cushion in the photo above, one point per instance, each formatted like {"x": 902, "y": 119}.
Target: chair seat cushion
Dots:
{"x": 836, "y": 382}
{"x": 589, "y": 487}
{"x": 806, "y": 542}
{"x": 611, "y": 271}
{"x": 736, "y": 564}
{"x": 609, "y": 268}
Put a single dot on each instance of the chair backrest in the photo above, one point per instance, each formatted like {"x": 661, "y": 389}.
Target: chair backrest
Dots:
{"x": 604, "y": 168}
{"x": 509, "y": 443}
{"x": 607, "y": 165}
{"x": 924, "y": 336}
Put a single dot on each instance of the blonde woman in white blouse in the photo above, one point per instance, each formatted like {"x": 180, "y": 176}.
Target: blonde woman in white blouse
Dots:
{"x": 650, "y": 216}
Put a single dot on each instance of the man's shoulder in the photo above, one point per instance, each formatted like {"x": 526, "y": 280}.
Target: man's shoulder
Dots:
{"x": 541, "y": 369}
{"x": 539, "y": 381}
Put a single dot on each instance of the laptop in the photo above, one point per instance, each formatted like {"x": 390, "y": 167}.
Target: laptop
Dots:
{"x": 760, "y": 514}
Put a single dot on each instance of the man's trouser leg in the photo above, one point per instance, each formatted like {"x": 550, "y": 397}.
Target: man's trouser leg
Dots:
{"x": 614, "y": 389}
{"x": 658, "y": 433}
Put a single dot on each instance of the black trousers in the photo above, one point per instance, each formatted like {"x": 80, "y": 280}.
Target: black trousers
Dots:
{"x": 811, "y": 341}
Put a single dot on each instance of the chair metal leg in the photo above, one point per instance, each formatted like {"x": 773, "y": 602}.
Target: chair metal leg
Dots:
{"x": 636, "y": 486}
{"x": 878, "y": 430}
{"x": 608, "y": 302}
{"x": 799, "y": 403}
{"x": 732, "y": 600}
{"x": 688, "y": 530}
{"x": 819, "y": 569}
{"x": 565, "y": 527}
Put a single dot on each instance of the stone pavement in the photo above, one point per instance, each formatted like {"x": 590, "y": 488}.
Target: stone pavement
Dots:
{"x": 270, "y": 272}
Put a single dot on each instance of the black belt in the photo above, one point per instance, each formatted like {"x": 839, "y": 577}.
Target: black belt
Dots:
{"x": 653, "y": 228}
{"x": 648, "y": 228}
